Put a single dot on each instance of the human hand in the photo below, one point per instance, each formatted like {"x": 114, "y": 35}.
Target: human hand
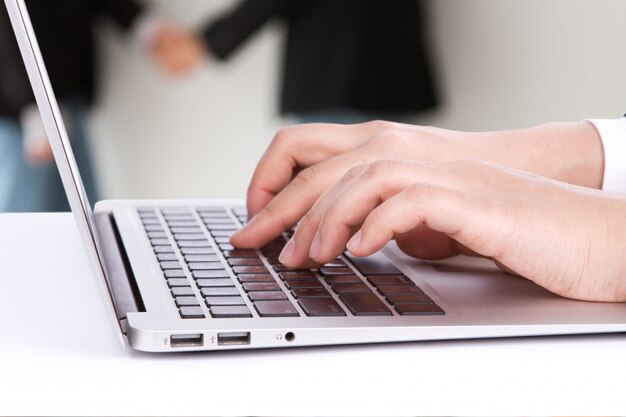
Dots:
{"x": 302, "y": 162}
{"x": 37, "y": 151}
{"x": 568, "y": 239}
{"x": 175, "y": 50}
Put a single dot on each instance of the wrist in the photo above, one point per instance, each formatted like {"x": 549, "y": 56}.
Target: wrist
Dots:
{"x": 567, "y": 152}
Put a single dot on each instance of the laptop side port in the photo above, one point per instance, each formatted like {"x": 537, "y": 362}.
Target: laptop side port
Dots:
{"x": 234, "y": 338}
{"x": 187, "y": 340}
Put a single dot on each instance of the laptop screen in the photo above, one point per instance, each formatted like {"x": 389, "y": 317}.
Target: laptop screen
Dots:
{"x": 57, "y": 135}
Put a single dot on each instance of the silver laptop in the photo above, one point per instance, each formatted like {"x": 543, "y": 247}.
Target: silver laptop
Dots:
{"x": 172, "y": 282}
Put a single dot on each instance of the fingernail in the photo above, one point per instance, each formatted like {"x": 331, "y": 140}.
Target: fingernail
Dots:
{"x": 287, "y": 254}
{"x": 355, "y": 242}
{"x": 315, "y": 246}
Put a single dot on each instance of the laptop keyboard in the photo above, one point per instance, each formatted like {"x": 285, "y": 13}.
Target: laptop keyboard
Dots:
{"x": 208, "y": 277}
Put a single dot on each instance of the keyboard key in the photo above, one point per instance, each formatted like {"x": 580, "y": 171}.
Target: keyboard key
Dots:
{"x": 377, "y": 280}
{"x": 408, "y": 298}
{"x": 194, "y": 244}
{"x": 163, "y": 249}
{"x": 245, "y": 262}
{"x": 213, "y": 220}
{"x": 347, "y": 288}
{"x": 226, "y": 246}
{"x": 190, "y": 236}
{"x": 278, "y": 267}
{"x": 167, "y": 257}
{"x": 221, "y": 233}
{"x": 159, "y": 242}
{"x": 399, "y": 289}
{"x": 310, "y": 292}
{"x": 182, "y": 291}
{"x": 170, "y": 265}
{"x": 202, "y": 258}
{"x": 222, "y": 239}
{"x": 198, "y": 251}
{"x": 157, "y": 235}
{"x": 220, "y": 312}
{"x": 186, "y": 301}
{"x": 183, "y": 223}
{"x": 211, "y": 209}
{"x": 267, "y": 295}
{"x": 224, "y": 301}
{"x": 341, "y": 270}
{"x": 191, "y": 313}
{"x": 376, "y": 264}
{"x": 187, "y": 231}
{"x": 220, "y": 282}
{"x": 255, "y": 278}
{"x": 309, "y": 283}
{"x": 175, "y": 210}
{"x": 205, "y": 266}
{"x": 320, "y": 307}
{"x": 275, "y": 309}
{"x": 407, "y": 309}
{"x": 343, "y": 279}
{"x": 174, "y": 273}
{"x": 364, "y": 304}
{"x": 296, "y": 275}
{"x": 219, "y": 291}
{"x": 219, "y": 273}
{"x": 335, "y": 263}
{"x": 151, "y": 221}
{"x": 177, "y": 282}
{"x": 153, "y": 228}
{"x": 250, "y": 270}
{"x": 261, "y": 286}
{"x": 221, "y": 226}
{"x": 241, "y": 253}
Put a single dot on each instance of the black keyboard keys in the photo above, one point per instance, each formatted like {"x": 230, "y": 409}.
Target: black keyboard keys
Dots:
{"x": 364, "y": 304}
{"x": 191, "y": 313}
{"x": 320, "y": 307}
{"x": 230, "y": 312}
{"x": 282, "y": 308}
{"x": 414, "y": 309}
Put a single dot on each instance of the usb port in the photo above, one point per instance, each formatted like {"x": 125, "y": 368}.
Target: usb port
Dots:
{"x": 234, "y": 338}
{"x": 186, "y": 340}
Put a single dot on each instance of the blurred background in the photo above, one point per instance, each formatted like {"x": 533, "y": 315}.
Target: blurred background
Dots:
{"x": 497, "y": 65}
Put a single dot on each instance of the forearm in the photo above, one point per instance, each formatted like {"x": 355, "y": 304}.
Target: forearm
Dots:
{"x": 568, "y": 152}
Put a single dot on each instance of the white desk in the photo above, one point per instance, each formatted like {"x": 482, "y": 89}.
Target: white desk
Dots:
{"x": 59, "y": 355}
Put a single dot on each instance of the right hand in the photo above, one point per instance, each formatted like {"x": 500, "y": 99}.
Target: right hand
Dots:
{"x": 302, "y": 162}
{"x": 176, "y": 51}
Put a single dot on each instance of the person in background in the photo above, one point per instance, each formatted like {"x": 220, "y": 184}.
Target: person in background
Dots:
{"x": 345, "y": 61}
{"x": 29, "y": 180}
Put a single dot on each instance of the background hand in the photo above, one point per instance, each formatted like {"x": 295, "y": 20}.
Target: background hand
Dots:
{"x": 176, "y": 51}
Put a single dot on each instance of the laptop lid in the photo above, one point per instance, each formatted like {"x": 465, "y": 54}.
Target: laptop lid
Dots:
{"x": 62, "y": 150}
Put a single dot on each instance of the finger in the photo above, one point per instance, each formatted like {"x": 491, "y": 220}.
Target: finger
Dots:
{"x": 298, "y": 254}
{"x": 464, "y": 217}
{"x": 378, "y": 183}
{"x": 297, "y": 147}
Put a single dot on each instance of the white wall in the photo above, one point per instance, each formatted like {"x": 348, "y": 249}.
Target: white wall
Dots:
{"x": 503, "y": 64}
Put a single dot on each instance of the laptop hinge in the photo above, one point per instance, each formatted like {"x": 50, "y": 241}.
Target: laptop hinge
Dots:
{"x": 119, "y": 274}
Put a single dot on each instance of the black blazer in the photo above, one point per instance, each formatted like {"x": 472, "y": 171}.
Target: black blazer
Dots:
{"x": 367, "y": 55}
{"x": 65, "y": 35}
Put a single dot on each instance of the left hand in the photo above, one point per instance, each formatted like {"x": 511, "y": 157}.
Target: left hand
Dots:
{"x": 176, "y": 51}
{"x": 568, "y": 239}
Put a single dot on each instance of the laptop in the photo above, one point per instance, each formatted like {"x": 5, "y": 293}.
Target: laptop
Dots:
{"x": 172, "y": 282}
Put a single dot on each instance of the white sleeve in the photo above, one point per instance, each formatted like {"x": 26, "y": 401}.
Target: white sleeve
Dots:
{"x": 613, "y": 135}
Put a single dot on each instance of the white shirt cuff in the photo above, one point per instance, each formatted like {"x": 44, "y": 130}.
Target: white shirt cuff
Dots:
{"x": 613, "y": 135}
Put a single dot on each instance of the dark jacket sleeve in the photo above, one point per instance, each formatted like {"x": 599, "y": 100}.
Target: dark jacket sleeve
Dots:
{"x": 228, "y": 32}
{"x": 123, "y": 12}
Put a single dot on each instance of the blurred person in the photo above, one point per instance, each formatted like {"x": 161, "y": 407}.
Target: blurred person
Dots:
{"x": 29, "y": 180}
{"x": 344, "y": 61}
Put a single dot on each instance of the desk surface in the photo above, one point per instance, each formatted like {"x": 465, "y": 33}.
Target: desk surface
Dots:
{"x": 60, "y": 355}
